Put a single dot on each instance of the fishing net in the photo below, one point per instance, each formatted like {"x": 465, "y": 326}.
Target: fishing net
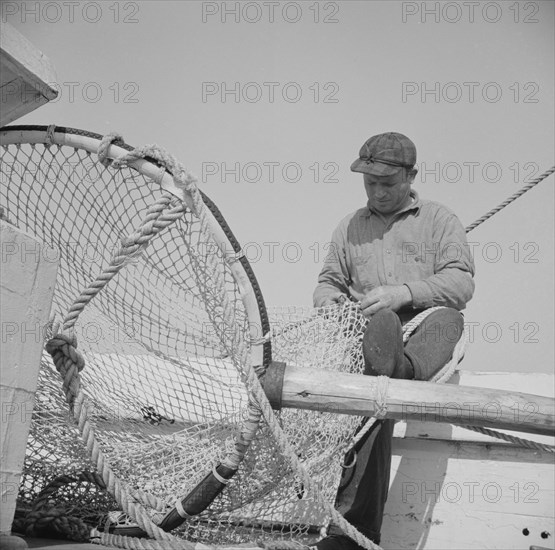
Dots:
{"x": 154, "y": 424}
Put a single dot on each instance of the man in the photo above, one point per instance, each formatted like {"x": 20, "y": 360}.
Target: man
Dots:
{"x": 397, "y": 256}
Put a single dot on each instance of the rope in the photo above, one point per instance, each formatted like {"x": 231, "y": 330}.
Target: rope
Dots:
{"x": 445, "y": 374}
{"x": 416, "y": 321}
{"x": 382, "y": 385}
{"x": 494, "y": 433}
{"x": 154, "y": 222}
{"x": 56, "y": 519}
{"x": 41, "y": 519}
{"x": 529, "y": 444}
{"x": 449, "y": 369}
{"x": 107, "y": 140}
{"x": 509, "y": 200}
{"x": 60, "y": 481}
{"x": 66, "y": 359}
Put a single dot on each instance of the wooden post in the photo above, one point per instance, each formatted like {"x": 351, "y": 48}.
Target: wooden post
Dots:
{"x": 28, "y": 279}
{"x": 331, "y": 391}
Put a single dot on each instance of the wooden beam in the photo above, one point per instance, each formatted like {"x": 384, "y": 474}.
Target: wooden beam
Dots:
{"x": 331, "y": 391}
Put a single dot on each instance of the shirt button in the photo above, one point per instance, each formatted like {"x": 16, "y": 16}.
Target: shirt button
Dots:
{"x": 388, "y": 251}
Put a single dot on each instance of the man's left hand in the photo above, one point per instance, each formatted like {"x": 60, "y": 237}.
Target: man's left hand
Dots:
{"x": 393, "y": 297}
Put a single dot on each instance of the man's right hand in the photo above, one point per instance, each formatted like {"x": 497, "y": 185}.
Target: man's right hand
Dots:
{"x": 392, "y": 297}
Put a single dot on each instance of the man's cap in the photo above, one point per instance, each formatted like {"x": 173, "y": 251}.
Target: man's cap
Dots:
{"x": 385, "y": 154}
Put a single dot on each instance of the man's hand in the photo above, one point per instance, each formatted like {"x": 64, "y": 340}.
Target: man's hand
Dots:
{"x": 393, "y": 297}
{"x": 333, "y": 300}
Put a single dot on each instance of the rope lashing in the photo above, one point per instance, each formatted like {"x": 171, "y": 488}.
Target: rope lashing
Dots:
{"x": 382, "y": 385}
{"x": 109, "y": 139}
{"x": 182, "y": 177}
{"x": 50, "y": 134}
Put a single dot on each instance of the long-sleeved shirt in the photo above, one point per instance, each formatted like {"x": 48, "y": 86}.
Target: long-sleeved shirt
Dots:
{"x": 423, "y": 246}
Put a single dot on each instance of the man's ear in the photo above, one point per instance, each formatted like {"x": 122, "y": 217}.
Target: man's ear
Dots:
{"x": 412, "y": 174}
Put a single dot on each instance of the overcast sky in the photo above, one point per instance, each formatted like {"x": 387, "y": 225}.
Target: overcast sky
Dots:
{"x": 269, "y": 103}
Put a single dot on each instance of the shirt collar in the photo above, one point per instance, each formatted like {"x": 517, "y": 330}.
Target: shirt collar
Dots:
{"x": 414, "y": 205}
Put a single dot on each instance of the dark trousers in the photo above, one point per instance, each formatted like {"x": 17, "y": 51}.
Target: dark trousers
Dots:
{"x": 365, "y": 480}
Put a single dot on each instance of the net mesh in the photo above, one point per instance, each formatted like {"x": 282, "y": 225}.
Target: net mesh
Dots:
{"x": 162, "y": 377}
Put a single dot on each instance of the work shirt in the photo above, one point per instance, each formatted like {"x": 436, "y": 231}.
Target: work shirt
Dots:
{"x": 423, "y": 246}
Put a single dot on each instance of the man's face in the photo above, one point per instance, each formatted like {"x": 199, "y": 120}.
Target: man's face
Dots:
{"x": 388, "y": 194}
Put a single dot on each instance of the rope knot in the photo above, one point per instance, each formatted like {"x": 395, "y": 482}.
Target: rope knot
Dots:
{"x": 382, "y": 385}
{"x": 185, "y": 179}
{"x": 50, "y": 135}
{"x": 67, "y": 344}
{"x": 107, "y": 140}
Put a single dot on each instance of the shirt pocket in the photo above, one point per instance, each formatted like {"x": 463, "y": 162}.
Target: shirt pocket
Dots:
{"x": 365, "y": 276}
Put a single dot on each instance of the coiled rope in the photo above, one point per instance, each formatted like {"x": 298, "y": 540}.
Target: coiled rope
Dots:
{"x": 42, "y": 517}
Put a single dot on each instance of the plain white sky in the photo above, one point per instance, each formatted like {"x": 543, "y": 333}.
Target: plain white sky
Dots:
{"x": 289, "y": 91}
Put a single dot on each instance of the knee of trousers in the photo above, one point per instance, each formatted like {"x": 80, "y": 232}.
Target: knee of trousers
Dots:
{"x": 444, "y": 325}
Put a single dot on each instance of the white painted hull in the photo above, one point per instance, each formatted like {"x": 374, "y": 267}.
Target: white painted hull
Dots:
{"x": 456, "y": 489}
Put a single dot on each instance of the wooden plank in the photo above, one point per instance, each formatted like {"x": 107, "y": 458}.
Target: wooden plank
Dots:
{"x": 26, "y": 75}
{"x": 344, "y": 393}
{"x": 28, "y": 279}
